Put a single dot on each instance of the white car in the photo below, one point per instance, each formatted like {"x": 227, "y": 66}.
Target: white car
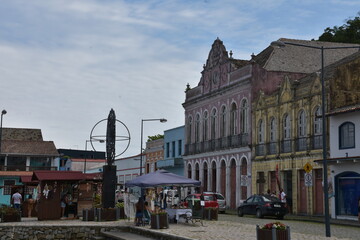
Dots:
{"x": 221, "y": 201}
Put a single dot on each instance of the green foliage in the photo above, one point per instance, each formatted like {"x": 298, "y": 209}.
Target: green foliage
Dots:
{"x": 155, "y": 137}
{"x": 8, "y": 210}
{"x": 97, "y": 201}
{"x": 119, "y": 205}
{"x": 347, "y": 33}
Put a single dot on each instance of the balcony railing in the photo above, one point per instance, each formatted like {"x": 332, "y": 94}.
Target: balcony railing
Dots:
{"x": 286, "y": 146}
{"x": 301, "y": 144}
{"x": 272, "y": 148}
{"x": 25, "y": 168}
{"x": 234, "y": 141}
{"x": 317, "y": 142}
{"x": 260, "y": 150}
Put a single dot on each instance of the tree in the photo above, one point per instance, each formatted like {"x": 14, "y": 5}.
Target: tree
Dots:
{"x": 347, "y": 33}
{"x": 155, "y": 137}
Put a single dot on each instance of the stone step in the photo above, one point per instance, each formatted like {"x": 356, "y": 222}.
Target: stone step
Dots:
{"x": 118, "y": 235}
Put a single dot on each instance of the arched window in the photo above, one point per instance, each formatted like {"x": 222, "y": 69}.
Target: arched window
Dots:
{"x": 223, "y": 122}
{"x": 244, "y": 116}
{"x": 273, "y": 130}
{"x": 287, "y": 127}
{"x": 206, "y": 126}
{"x": 197, "y": 128}
{"x": 213, "y": 123}
{"x": 302, "y": 124}
{"x": 317, "y": 121}
{"x": 261, "y": 131}
{"x": 189, "y": 130}
{"x": 233, "y": 119}
{"x": 347, "y": 135}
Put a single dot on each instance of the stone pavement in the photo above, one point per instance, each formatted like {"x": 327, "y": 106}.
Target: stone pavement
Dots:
{"x": 228, "y": 227}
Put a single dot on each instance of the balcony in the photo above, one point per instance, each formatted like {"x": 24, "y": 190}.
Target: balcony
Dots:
{"x": 301, "y": 144}
{"x": 260, "y": 150}
{"x": 286, "y": 146}
{"x": 235, "y": 141}
{"x": 272, "y": 148}
{"x": 25, "y": 168}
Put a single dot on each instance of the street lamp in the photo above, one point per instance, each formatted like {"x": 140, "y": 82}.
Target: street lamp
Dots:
{"x": 323, "y": 117}
{"x": 162, "y": 120}
{"x": 86, "y": 141}
{"x": 3, "y": 112}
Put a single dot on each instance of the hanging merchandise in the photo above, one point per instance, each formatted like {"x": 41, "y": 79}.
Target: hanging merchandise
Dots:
{"x": 46, "y": 191}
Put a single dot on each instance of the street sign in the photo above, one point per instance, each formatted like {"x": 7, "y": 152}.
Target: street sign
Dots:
{"x": 308, "y": 167}
{"x": 308, "y": 179}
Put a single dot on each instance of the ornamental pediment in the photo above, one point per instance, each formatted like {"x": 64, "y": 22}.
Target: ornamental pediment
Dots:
{"x": 285, "y": 90}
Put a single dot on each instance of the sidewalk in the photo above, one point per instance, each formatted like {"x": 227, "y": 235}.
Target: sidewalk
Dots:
{"x": 320, "y": 219}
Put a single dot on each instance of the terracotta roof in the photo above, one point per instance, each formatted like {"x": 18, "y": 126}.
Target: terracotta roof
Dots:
{"x": 38, "y": 148}
{"x": 15, "y": 173}
{"x": 94, "y": 176}
{"x": 87, "y": 160}
{"x": 346, "y": 109}
{"x": 27, "y": 179}
{"x": 57, "y": 175}
{"x": 301, "y": 59}
{"x": 22, "y": 134}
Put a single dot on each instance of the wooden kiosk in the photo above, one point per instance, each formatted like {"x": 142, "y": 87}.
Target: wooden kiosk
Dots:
{"x": 52, "y": 186}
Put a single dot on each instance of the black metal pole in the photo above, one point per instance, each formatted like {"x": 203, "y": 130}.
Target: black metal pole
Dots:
{"x": 2, "y": 113}
{"x": 141, "y": 146}
{"x": 323, "y": 114}
{"x": 86, "y": 141}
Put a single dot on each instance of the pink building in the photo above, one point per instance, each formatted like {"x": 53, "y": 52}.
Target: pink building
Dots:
{"x": 218, "y": 124}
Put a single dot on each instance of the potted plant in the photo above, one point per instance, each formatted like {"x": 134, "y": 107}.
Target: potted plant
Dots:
{"x": 211, "y": 213}
{"x": 9, "y": 214}
{"x": 159, "y": 220}
{"x": 273, "y": 231}
{"x": 120, "y": 212}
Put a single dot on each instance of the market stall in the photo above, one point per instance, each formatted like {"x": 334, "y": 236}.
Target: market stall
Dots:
{"x": 161, "y": 178}
{"x": 54, "y": 186}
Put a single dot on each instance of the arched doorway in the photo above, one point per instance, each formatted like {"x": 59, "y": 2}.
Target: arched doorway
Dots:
{"x": 347, "y": 189}
{"x": 244, "y": 178}
{"x": 233, "y": 184}
{"x": 197, "y": 176}
{"x": 205, "y": 178}
{"x": 223, "y": 178}
{"x": 213, "y": 176}
{"x": 189, "y": 171}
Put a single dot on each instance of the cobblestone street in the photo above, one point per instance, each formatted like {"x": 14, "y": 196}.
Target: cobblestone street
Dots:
{"x": 230, "y": 227}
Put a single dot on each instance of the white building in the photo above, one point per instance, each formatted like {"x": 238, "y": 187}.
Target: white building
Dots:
{"x": 344, "y": 162}
{"x": 128, "y": 168}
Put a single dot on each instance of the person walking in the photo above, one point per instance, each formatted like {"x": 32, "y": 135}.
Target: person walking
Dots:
{"x": 31, "y": 203}
{"x": 282, "y": 196}
{"x": 16, "y": 198}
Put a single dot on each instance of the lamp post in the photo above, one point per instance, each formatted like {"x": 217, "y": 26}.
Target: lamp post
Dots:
{"x": 323, "y": 117}
{"x": 162, "y": 120}
{"x": 86, "y": 141}
{"x": 3, "y": 112}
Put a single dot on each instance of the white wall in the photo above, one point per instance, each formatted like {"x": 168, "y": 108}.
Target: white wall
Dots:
{"x": 335, "y": 122}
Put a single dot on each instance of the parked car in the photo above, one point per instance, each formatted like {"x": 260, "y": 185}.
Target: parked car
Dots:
{"x": 263, "y": 205}
{"x": 209, "y": 199}
{"x": 221, "y": 201}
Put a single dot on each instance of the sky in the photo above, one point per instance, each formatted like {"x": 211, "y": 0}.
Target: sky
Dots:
{"x": 64, "y": 64}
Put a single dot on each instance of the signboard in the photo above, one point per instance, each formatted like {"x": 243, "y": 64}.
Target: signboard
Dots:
{"x": 308, "y": 179}
{"x": 308, "y": 167}
{"x": 244, "y": 180}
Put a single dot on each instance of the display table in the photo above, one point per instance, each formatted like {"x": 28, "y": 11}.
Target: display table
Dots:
{"x": 176, "y": 213}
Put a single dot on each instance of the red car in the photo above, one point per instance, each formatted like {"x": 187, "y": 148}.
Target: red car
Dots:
{"x": 210, "y": 200}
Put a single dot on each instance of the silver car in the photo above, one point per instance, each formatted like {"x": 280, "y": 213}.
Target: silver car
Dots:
{"x": 221, "y": 201}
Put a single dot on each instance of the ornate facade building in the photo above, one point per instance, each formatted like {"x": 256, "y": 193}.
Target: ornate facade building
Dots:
{"x": 217, "y": 126}
{"x": 287, "y": 128}
{"x": 251, "y": 125}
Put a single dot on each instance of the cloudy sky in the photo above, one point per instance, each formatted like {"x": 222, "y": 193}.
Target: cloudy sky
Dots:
{"x": 65, "y": 63}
